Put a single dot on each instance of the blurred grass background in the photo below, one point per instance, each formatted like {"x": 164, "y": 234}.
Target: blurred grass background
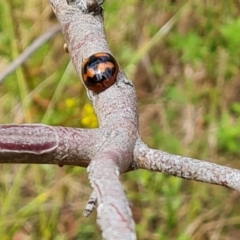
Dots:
{"x": 183, "y": 57}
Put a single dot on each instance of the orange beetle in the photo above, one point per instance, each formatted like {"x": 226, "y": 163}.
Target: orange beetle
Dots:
{"x": 99, "y": 71}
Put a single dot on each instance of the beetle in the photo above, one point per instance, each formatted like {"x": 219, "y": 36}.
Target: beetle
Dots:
{"x": 99, "y": 71}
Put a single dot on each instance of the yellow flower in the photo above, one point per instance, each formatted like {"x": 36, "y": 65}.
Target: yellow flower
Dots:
{"x": 89, "y": 119}
{"x": 71, "y": 102}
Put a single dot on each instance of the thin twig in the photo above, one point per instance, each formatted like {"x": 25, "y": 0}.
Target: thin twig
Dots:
{"x": 29, "y": 51}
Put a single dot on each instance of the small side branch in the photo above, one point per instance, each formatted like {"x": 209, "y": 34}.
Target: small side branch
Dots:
{"x": 185, "y": 167}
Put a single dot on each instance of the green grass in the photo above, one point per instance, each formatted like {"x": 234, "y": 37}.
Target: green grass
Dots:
{"x": 183, "y": 57}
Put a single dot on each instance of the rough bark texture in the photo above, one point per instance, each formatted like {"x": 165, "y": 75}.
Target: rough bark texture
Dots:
{"x": 185, "y": 167}
{"x": 115, "y": 147}
{"x": 116, "y": 109}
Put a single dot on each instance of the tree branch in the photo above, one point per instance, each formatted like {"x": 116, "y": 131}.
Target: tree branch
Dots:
{"x": 40, "y": 144}
{"x": 116, "y": 109}
{"x": 114, "y": 213}
{"x": 185, "y": 167}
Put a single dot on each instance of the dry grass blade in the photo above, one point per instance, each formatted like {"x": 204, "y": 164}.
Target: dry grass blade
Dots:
{"x": 29, "y": 52}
